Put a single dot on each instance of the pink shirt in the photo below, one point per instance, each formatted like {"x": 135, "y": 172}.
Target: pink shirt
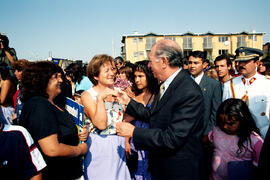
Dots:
{"x": 225, "y": 150}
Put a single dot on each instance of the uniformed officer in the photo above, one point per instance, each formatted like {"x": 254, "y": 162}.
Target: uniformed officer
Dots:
{"x": 251, "y": 87}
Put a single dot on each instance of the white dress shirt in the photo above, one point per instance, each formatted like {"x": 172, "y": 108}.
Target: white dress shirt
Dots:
{"x": 170, "y": 79}
{"x": 198, "y": 78}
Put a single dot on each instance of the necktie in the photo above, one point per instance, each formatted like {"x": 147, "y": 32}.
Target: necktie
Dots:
{"x": 161, "y": 90}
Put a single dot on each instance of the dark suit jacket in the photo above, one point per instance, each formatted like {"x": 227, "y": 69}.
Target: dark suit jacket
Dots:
{"x": 212, "y": 94}
{"x": 175, "y": 134}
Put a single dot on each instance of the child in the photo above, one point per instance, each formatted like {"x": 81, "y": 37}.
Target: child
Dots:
{"x": 235, "y": 137}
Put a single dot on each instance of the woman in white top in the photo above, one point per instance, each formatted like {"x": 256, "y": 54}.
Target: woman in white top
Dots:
{"x": 106, "y": 156}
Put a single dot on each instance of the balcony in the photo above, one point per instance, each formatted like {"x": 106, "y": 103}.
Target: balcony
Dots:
{"x": 207, "y": 45}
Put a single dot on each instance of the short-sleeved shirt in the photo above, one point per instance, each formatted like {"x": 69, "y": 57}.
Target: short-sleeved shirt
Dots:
{"x": 84, "y": 84}
{"x": 19, "y": 157}
{"x": 226, "y": 150}
{"x": 4, "y": 58}
{"x": 42, "y": 119}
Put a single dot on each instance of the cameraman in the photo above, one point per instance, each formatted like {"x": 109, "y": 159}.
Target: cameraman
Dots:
{"x": 7, "y": 55}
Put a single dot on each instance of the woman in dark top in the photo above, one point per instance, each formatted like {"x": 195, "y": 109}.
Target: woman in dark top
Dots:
{"x": 52, "y": 128}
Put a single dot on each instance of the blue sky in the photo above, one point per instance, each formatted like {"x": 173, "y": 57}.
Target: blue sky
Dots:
{"x": 80, "y": 29}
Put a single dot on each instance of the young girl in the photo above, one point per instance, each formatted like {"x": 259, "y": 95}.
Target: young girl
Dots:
{"x": 235, "y": 137}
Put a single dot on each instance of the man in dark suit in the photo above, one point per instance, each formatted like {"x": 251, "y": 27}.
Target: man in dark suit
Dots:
{"x": 176, "y": 118}
{"x": 211, "y": 89}
{"x": 212, "y": 93}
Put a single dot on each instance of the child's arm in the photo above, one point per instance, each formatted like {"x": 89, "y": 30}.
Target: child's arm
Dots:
{"x": 257, "y": 146}
{"x": 207, "y": 139}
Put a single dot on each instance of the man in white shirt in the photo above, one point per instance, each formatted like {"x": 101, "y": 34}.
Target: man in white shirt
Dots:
{"x": 251, "y": 87}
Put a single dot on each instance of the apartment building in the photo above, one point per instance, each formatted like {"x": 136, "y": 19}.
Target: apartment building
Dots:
{"x": 137, "y": 46}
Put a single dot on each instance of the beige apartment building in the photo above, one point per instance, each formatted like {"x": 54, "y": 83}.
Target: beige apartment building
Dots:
{"x": 137, "y": 46}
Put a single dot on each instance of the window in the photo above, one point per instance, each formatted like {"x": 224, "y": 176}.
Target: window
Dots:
{"x": 223, "y": 38}
{"x": 207, "y": 42}
{"x": 241, "y": 41}
{"x": 140, "y": 39}
{"x": 141, "y": 53}
{"x": 187, "y": 42}
{"x": 170, "y": 37}
{"x": 135, "y": 54}
{"x": 150, "y": 41}
{"x": 252, "y": 37}
{"x": 223, "y": 51}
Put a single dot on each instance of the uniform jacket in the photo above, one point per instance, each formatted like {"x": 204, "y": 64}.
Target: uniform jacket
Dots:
{"x": 258, "y": 98}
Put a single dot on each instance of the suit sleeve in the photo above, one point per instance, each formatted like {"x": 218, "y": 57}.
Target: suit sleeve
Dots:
{"x": 186, "y": 121}
{"x": 138, "y": 110}
{"x": 215, "y": 102}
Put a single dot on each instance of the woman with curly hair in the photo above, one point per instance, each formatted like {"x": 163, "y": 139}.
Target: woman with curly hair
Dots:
{"x": 52, "y": 128}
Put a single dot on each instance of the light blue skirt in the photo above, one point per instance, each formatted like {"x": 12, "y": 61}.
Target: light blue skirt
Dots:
{"x": 106, "y": 158}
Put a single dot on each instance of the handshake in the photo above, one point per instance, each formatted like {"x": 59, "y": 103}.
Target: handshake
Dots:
{"x": 115, "y": 94}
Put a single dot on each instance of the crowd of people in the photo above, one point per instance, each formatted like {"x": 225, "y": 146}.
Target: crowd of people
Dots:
{"x": 169, "y": 117}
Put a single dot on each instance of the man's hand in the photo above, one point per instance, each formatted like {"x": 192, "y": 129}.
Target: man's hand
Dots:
{"x": 124, "y": 129}
{"x": 128, "y": 118}
{"x": 122, "y": 97}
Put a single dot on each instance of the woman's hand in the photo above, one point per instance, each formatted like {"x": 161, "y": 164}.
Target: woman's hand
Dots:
{"x": 127, "y": 147}
{"x": 122, "y": 97}
{"x": 84, "y": 134}
{"x": 130, "y": 93}
{"x": 107, "y": 94}
{"x": 84, "y": 148}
